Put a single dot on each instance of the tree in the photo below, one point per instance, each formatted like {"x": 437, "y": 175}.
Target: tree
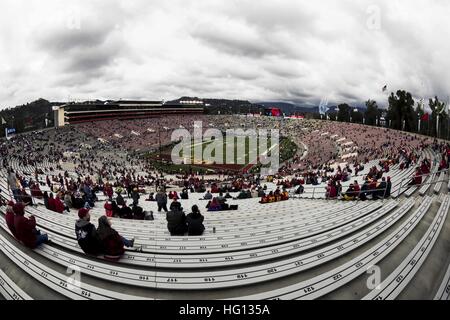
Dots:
{"x": 343, "y": 114}
{"x": 401, "y": 111}
{"x": 372, "y": 113}
{"x": 438, "y": 110}
{"x": 420, "y": 112}
{"x": 356, "y": 116}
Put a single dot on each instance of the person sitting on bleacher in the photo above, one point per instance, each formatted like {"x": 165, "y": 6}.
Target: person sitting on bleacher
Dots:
{"x": 261, "y": 193}
{"x": 86, "y": 233}
{"x": 364, "y": 190}
{"x": 184, "y": 194}
{"x": 382, "y": 190}
{"x": 214, "y": 205}
{"x": 111, "y": 242}
{"x": 269, "y": 198}
{"x": 119, "y": 199}
{"x": 417, "y": 179}
{"x": 300, "y": 189}
{"x": 151, "y": 197}
{"x": 175, "y": 204}
{"x": 9, "y": 218}
{"x": 425, "y": 166}
{"x": 108, "y": 209}
{"x": 331, "y": 191}
{"x": 126, "y": 212}
{"x": 59, "y": 205}
{"x": 176, "y": 222}
{"x": 264, "y": 199}
{"x": 195, "y": 222}
{"x": 244, "y": 194}
{"x": 284, "y": 195}
{"x": 36, "y": 191}
{"x": 208, "y": 196}
{"x": 77, "y": 201}
{"x": 25, "y": 197}
{"x": 138, "y": 213}
{"x": 350, "y": 194}
{"x": 51, "y": 202}
{"x": 26, "y": 231}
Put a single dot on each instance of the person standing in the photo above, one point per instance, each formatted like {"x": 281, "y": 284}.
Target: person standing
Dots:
{"x": 135, "y": 196}
{"x": 13, "y": 184}
{"x": 161, "y": 200}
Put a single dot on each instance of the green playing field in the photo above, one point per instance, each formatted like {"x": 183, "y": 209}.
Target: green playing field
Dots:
{"x": 239, "y": 151}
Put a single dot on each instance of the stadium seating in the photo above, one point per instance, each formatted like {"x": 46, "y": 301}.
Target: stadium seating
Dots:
{"x": 304, "y": 248}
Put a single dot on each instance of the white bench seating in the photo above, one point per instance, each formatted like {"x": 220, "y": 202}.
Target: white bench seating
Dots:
{"x": 444, "y": 289}
{"x": 9, "y": 290}
{"x": 333, "y": 279}
{"x": 394, "y": 284}
{"x": 56, "y": 281}
{"x": 214, "y": 279}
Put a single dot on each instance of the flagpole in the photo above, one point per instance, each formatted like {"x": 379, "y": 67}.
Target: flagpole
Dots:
{"x": 437, "y": 126}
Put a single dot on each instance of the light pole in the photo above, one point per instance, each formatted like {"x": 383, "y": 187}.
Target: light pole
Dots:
{"x": 418, "y": 129}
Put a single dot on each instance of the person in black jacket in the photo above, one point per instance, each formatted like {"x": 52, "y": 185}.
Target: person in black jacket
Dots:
{"x": 119, "y": 199}
{"x": 388, "y": 187}
{"x": 382, "y": 190}
{"x": 195, "y": 222}
{"x": 87, "y": 234}
{"x": 176, "y": 222}
{"x": 138, "y": 213}
{"x": 175, "y": 205}
{"x": 126, "y": 212}
{"x": 363, "y": 192}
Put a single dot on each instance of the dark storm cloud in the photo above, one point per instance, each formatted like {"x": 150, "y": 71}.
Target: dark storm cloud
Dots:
{"x": 299, "y": 51}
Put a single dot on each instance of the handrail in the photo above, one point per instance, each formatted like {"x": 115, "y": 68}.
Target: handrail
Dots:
{"x": 313, "y": 188}
{"x": 423, "y": 183}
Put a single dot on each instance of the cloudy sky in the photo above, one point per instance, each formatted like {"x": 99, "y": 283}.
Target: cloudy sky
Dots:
{"x": 300, "y": 51}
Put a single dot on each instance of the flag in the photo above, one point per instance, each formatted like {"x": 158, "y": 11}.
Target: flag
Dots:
{"x": 425, "y": 117}
{"x": 3, "y": 121}
{"x": 384, "y": 88}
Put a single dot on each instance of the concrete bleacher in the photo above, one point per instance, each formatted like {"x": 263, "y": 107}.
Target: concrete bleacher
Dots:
{"x": 9, "y": 290}
{"x": 296, "y": 249}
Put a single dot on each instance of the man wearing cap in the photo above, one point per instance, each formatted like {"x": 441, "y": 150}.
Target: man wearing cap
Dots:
{"x": 87, "y": 233}
{"x": 9, "y": 217}
{"x": 26, "y": 228}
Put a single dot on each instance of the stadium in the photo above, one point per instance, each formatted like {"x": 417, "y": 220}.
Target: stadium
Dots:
{"x": 177, "y": 156}
{"x": 353, "y": 205}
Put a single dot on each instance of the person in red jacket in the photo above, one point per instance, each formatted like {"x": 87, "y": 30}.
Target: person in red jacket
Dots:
{"x": 59, "y": 205}
{"x": 112, "y": 243}
{"x": 9, "y": 217}
{"x": 51, "y": 202}
{"x": 26, "y": 228}
{"x": 108, "y": 209}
